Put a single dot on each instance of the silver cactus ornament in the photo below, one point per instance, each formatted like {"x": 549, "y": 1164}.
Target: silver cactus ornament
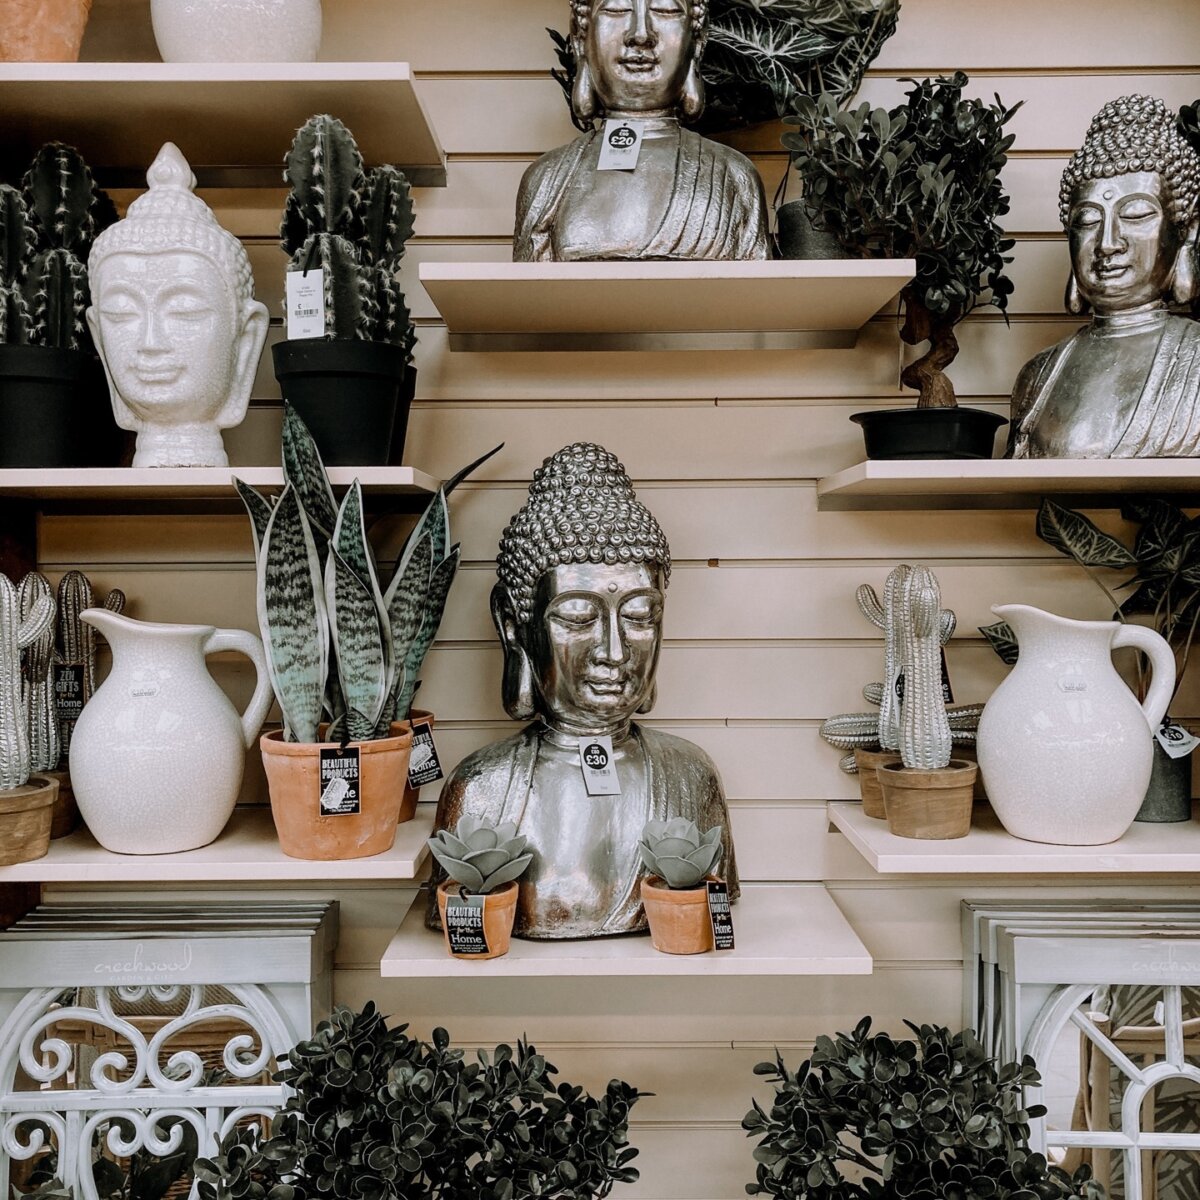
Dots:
{"x": 16, "y": 635}
{"x": 925, "y": 738}
{"x": 41, "y": 718}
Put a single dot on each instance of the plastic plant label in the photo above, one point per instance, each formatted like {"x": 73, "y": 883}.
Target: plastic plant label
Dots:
{"x": 464, "y": 924}
{"x": 305, "y": 304}
{"x": 620, "y": 145}
{"x": 340, "y": 781}
{"x": 599, "y": 770}
{"x": 720, "y": 913}
{"x": 424, "y": 765}
{"x": 68, "y": 691}
{"x": 1176, "y": 740}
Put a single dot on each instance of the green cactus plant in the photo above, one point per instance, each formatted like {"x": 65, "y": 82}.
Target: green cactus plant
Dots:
{"x": 16, "y": 250}
{"x": 678, "y": 853}
{"x": 17, "y": 634}
{"x": 480, "y": 857}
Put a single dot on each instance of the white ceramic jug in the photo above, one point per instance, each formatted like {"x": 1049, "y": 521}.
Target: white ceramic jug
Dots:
{"x": 237, "y": 30}
{"x": 158, "y": 753}
{"x": 1064, "y": 747}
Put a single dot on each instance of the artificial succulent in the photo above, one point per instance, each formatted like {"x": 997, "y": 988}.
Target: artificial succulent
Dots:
{"x": 678, "y": 853}
{"x": 481, "y": 857}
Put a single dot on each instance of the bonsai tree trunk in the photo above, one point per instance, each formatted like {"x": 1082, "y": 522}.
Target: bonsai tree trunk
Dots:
{"x": 926, "y": 375}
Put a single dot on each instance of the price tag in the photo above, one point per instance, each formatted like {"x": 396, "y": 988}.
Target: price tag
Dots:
{"x": 339, "y": 781}
{"x": 68, "y": 691}
{"x": 464, "y": 924}
{"x": 599, "y": 770}
{"x": 720, "y": 913}
{"x": 305, "y": 304}
{"x": 1176, "y": 740}
{"x": 620, "y": 145}
{"x": 424, "y": 766}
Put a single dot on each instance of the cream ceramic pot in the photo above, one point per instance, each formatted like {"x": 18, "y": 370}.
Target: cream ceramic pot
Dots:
{"x": 158, "y": 753}
{"x": 1064, "y": 747}
{"x": 237, "y": 30}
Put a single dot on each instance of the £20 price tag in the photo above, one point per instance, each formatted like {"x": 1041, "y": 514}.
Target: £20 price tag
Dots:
{"x": 620, "y": 145}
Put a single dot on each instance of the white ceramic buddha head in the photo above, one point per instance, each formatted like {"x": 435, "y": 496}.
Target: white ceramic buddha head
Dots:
{"x": 175, "y": 321}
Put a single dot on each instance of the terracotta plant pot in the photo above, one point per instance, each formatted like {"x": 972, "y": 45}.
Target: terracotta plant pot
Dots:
{"x": 408, "y": 806}
{"x": 42, "y": 30}
{"x": 930, "y": 805}
{"x": 293, "y": 777}
{"x": 679, "y": 920}
{"x": 26, "y": 813}
{"x": 868, "y": 780}
{"x": 66, "y": 818}
{"x": 499, "y": 913}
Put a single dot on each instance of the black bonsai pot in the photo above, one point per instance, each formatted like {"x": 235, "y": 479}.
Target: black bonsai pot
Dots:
{"x": 929, "y": 432}
{"x": 797, "y": 239}
{"x": 347, "y": 392}
{"x": 408, "y": 390}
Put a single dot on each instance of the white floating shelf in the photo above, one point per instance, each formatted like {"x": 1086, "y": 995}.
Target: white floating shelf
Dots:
{"x": 795, "y": 930}
{"x": 247, "y": 852}
{"x": 989, "y": 850}
{"x": 493, "y": 306}
{"x": 1002, "y": 483}
{"x": 233, "y": 121}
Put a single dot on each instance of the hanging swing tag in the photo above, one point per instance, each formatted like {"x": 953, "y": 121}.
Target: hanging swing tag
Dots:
{"x": 68, "y": 691}
{"x": 599, "y": 770}
{"x": 1176, "y": 740}
{"x": 339, "y": 781}
{"x": 947, "y": 688}
{"x": 305, "y": 304}
{"x": 620, "y": 145}
{"x": 424, "y": 765}
{"x": 720, "y": 913}
{"x": 464, "y": 924}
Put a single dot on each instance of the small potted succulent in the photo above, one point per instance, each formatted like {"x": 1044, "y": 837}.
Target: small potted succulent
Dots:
{"x": 680, "y": 860}
{"x": 921, "y": 180}
{"x": 352, "y": 379}
{"x": 54, "y": 409}
{"x": 482, "y": 864}
{"x": 343, "y": 652}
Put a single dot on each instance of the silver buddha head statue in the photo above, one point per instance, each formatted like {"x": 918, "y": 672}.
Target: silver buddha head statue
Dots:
{"x": 638, "y": 57}
{"x": 578, "y": 606}
{"x": 1128, "y": 201}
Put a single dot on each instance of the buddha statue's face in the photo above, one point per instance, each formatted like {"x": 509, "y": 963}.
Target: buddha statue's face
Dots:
{"x": 1123, "y": 242}
{"x": 639, "y": 52}
{"x": 593, "y": 641}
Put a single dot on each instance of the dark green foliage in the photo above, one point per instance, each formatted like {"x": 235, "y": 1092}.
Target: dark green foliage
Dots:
{"x": 1189, "y": 124}
{"x": 929, "y": 1119}
{"x": 376, "y": 1114}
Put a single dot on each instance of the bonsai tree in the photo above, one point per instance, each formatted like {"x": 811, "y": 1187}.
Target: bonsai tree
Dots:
{"x": 377, "y": 1114}
{"x": 870, "y": 1117}
{"x": 921, "y": 180}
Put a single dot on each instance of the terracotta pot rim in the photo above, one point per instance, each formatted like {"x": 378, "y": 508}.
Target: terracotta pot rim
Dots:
{"x": 447, "y": 886}
{"x": 669, "y": 895}
{"x": 273, "y": 743}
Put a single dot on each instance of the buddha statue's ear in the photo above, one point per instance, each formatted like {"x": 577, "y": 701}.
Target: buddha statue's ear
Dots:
{"x": 1076, "y": 304}
{"x": 517, "y": 683}
{"x": 255, "y": 321}
{"x": 1184, "y": 283}
{"x": 693, "y": 92}
{"x": 584, "y": 102}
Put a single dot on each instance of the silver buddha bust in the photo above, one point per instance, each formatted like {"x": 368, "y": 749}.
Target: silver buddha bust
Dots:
{"x": 578, "y": 607}
{"x": 688, "y": 197}
{"x": 1128, "y": 384}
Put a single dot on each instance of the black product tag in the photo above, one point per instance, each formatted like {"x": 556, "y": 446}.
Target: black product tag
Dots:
{"x": 68, "y": 691}
{"x": 464, "y": 924}
{"x": 340, "y": 782}
{"x": 947, "y": 690}
{"x": 424, "y": 766}
{"x": 900, "y": 687}
{"x": 721, "y": 914}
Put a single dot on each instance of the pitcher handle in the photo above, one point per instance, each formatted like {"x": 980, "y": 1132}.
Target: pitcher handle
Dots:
{"x": 245, "y": 643}
{"x": 1162, "y": 667}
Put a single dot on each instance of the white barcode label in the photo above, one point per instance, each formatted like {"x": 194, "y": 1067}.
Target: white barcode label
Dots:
{"x": 305, "y": 304}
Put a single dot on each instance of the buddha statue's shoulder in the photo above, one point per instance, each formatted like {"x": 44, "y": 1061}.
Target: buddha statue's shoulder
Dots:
{"x": 481, "y": 768}
{"x": 736, "y": 163}
{"x": 685, "y": 760}
{"x": 547, "y": 173}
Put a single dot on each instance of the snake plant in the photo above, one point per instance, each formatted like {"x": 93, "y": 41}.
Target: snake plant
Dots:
{"x": 678, "y": 853}
{"x": 481, "y": 857}
{"x": 340, "y": 646}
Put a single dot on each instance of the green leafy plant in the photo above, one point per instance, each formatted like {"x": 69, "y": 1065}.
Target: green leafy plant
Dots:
{"x": 678, "y": 853}
{"x": 374, "y": 1113}
{"x": 933, "y": 1118}
{"x": 921, "y": 180}
{"x": 338, "y": 644}
{"x": 480, "y": 857}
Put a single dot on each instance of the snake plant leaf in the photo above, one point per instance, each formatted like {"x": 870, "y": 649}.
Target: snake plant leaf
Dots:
{"x": 350, "y": 537}
{"x": 1071, "y": 533}
{"x": 407, "y": 597}
{"x": 303, "y": 468}
{"x": 258, "y": 508}
{"x": 455, "y": 480}
{"x": 292, "y": 617}
{"x": 435, "y": 605}
{"x": 361, "y": 643}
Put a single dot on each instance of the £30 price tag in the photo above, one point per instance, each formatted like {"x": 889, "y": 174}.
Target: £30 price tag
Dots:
{"x": 599, "y": 769}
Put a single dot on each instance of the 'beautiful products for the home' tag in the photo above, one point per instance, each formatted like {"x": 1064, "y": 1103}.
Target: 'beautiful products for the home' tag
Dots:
{"x": 305, "y": 304}
{"x": 720, "y": 913}
{"x": 464, "y": 924}
{"x": 620, "y": 145}
{"x": 1176, "y": 740}
{"x": 424, "y": 765}
{"x": 599, "y": 770}
{"x": 340, "y": 796}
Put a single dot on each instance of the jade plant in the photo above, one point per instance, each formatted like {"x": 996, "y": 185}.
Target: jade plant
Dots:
{"x": 480, "y": 857}
{"x": 869, "y": 1116}
{"x": 352, "y": 224}
{"x": 678, "y": 853}
{"x": 374, "y": 1113}
{"x": 340, "y": 646}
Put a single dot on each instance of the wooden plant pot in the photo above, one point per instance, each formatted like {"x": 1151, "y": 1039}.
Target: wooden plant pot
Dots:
{"x": 408, "y": 806}
{"x": 293, "y": 778}
{"x": 66, "y": 818}
{"x": 26, "y": 814}
{"x": 930, "y": 805}
{"x": 868, "y": 781}
{"x": 679, "y": 920}
{"x": 499, "y": 914}
{"x": 42, "y": 30}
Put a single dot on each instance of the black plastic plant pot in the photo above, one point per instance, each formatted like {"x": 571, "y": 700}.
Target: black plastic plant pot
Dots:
{"x": 54, "y": 409}
{"x": 347, "y": 393}
{"x": 929, "y": 432}
{"x": 408, "y": 390}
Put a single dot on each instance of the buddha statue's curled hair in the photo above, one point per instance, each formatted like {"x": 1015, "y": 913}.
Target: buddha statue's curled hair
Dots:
{"x": 581, "y": 509}
{"x": 1136, "y": 133}
{"x": 581, "y": 16}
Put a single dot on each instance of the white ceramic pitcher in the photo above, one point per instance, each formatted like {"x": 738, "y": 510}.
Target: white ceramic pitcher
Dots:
{"x": 1064, "y": 747}
{"x": 158, "y": 753}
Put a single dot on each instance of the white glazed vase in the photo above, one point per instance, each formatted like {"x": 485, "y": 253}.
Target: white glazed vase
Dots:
{"x": 237, "y": 30}
{"x": 158, "y": 753}
{"x": 1065, "y": 749}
